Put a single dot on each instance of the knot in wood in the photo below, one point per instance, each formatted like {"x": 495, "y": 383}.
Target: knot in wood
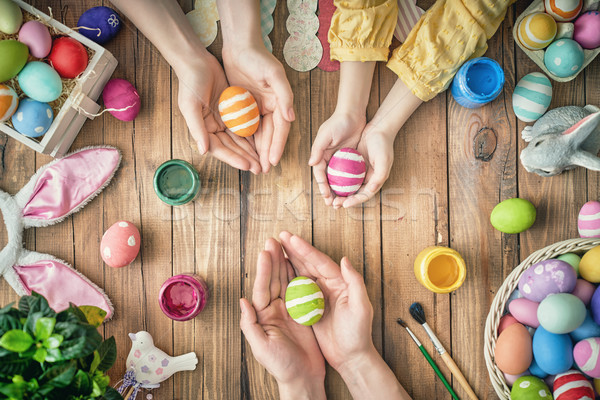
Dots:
{"x": 484, "y": 144}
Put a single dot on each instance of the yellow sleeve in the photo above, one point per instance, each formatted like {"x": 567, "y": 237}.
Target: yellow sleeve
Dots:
{"x": 448, "y": 34}
{"x": 361, "y": 30}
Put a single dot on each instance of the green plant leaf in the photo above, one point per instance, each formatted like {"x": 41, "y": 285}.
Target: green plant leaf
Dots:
{"x": 83, "y": 383}
{"x": 9, "y": 322}
{"x": 80, "y": 340}
{"x": 101, "y": 380}
{"x": 95, "y": 361}
{"x": 108, "y": 354}
{"x": 13, "y": 364}
{"x": 54, "y": 355}
{"x": 31, "y": 321}
{"x": 112, "y": 394}
{"x": 60, "y": 376}
{"x": 16, "y": 341}
{"x": 40, "y": 355}
{"x": 6, "y": 309}
{"x": 53, "y": 342}
{"x": 14, "y": 390}
{"x": 75, "y": 311}
{"x": 44, "y": 327}
{"x": 94, "y": 315}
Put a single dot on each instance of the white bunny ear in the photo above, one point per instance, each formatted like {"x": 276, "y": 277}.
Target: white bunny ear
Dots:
{"x": 64, "y": 186}
{"x": 579, "y": 132}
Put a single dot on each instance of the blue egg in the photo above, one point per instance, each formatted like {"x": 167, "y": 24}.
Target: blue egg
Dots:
{"x": 532, "y": 97}
{"x": 553, "y": 353}
{"x": 32, "y": 118}
{"x": 535, "y": 370}
{"x": 564, "y": 57}
{"x": 587, "y": 329}
{"x": 40, "y": 81}
{"x": 102, "y": 23}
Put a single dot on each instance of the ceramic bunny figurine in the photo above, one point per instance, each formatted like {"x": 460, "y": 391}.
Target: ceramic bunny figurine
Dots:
{"x": 56, "y": 191}
{"x": 564, "y": 138}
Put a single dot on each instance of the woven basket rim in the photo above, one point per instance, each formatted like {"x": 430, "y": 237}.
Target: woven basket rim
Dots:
{"x": 510, "y": 283}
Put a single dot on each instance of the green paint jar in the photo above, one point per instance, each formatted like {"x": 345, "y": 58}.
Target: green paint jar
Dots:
{"x": 176, "y": 182}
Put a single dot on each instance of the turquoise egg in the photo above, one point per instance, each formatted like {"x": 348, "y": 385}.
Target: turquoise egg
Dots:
{"x": 564, "y": 58}
{"x": 561, "y": 313}
{"x": 11, "y": 17}
{"x": 40, "y": 81}
{"x": 589, "y": 328}
{"x": 532, "y": 97}
{"x": 553, "y": 353}
{"x": 13, "y": 56}
{"x": 32, "y": 118}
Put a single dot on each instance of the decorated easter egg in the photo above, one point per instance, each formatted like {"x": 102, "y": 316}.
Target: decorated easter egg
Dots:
{"x": 13, "y": 57}
{"x": 239, "y": 111}
{"x": 552, "y": 352}
{"x": 120, "y": 244}
{"x": 525, "y": 311}
{"x": 545, "y": 278}
{"x": 589, "y": 266}
{"x": 535, "y": 370}
{"x": 532, "y": 97}
{"x": 68, "y": 57}
{"x": 530, "y": 388}
{"x": 595, "y": 306}
{"x": 122, "y": 100}
{"x": 564, "y": 57}
{"x": 584, "y": 290}
{"x": 511, "y": 379}
{"x": 513, "y": 350}
{"x": 346, "y": 172}
{"x": 536, "y": 31}
{"x": 587, "y": 356}
{"x": 36, "y": 37}
{"x": 506, "y": 321}
{"x": 32, "y": 118}
{"x": 589, "y": 328}
{"x": 572, "y": 385}
{"x": 11, "y": 17}
{"x": 561, "y": 313}
{"x": 587, "y": 30}
{"x": 40, "y": 81}
{"x": 513, "y": 215}
{"x": 8, "y": 102}
{"x": 563, "y": 10}
{"x": 304, "y": 301}
{"x": 100, "y": 24}
{"x": 588, "y": 222}
{"x": 514, "y": 295}
{"x": 572, "y": 259}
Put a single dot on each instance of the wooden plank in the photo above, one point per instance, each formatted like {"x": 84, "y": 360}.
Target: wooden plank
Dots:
{"x": 592, "y": 96}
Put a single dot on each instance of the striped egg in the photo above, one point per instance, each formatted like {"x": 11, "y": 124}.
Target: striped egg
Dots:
{"x": 586, "y": 354}
{"x": 572, "y": 385}
{"x": 346, "y": 172}
{"x": 8, "y": 102}
{"x": 536, "y": 31}
{"x": 588, "y": 222}
{"x": 304, "y": 301}
{"x": 239, "y": 111}
{"x": 563, "y": 10}
{"x": 532, "y": 97}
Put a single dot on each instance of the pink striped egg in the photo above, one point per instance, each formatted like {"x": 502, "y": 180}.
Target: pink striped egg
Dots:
{"x": 572, "y": 385}
{"x": 346, "y": 172}
{"x": 588, "y": 221}
{"x": 586, "y": 354}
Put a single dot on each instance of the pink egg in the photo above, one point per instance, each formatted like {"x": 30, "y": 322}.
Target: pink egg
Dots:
{"x": 506, "y": 321}
{"x": 120, "y": 244}
{"x": 588, "y": 221}
{"x": 586, "y": 354}
{"x": 584, "y": 290}
{"x": 511, "y": 379}
{"x": 525, "y": 311}
{"x": 587, "y": 30}
{"x": 346, "y": 172}
{"x": 37, "y": 37}
{"x": 120, "y": 95}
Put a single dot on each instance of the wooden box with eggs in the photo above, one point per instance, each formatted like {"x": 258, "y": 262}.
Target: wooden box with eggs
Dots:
{"x": 75, "y": 94}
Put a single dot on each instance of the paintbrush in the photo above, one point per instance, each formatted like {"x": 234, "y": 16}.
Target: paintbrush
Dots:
{"x": 429, "y": 359}
{"x": 417, "y": 312}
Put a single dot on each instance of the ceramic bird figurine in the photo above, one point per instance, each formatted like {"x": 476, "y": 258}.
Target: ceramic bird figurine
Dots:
{"x": 562, "y": 139}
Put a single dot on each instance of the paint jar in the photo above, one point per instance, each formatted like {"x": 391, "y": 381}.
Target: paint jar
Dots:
{"x": 182, "y": 297}
{"x": 440, "y": 269}
{"x": 176, "y": 182}
{"x": 477, "y": 82}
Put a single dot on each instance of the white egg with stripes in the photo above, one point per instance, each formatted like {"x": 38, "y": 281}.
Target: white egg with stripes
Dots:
{"x": 304, "y": 301}
{"x": 346, "y": 172}
{"x": 588, "y": 221}
{"x": 239, "y": 111}
{"x": 532, "y": 97}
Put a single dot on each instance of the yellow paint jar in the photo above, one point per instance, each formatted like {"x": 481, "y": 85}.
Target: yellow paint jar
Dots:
{"x": 440, "y": 269}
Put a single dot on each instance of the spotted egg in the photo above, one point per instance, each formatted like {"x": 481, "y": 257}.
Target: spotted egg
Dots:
{"x": 588, "y": 222}
{"x": 8, "y": 102}
{"x": 532, "y": 97}
{"x": 564, "y": 58}
{"x": 32, "y": 118}
{"x": 120, "y": 244}
{"x": 530, "y": 388}
{"x": 563, "y": 10}
{"x": 545, "y": 278}
{"x": 536, "y": 31}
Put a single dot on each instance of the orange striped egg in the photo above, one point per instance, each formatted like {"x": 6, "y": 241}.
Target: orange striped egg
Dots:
{"x": 563, "y": 10}
{"x": 8, "y": 102}
{"x": 239, "y": 111}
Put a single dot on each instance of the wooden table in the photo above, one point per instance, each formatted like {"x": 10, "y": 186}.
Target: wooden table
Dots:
{"x": 452, "y": 166}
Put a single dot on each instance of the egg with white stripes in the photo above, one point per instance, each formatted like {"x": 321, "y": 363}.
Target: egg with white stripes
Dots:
{"x": 586, "y": 354}
{"x": 536, "y": 31}
{"x": 8, "y": 102}
{"x": 572, "y": 385}
{"x": 304, "y": 301}
{"x": 239, "y": 111}
{"x": 532, "y": 97}
{"x": 346, "y": 172}
{"x": 588, "y": 222}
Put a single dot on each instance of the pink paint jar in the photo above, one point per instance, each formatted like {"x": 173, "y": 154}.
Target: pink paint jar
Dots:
{"x": 182, "y": 297}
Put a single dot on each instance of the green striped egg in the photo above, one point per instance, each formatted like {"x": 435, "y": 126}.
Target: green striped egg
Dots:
{"x": 532, "y": 97}
{"x": 304, "y": 301}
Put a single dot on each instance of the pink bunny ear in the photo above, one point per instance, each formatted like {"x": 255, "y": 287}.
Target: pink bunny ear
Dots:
{"x": 67, "y": 184}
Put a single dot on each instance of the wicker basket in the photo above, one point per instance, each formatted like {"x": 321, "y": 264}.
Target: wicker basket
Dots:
{"x": 510, "y": 283}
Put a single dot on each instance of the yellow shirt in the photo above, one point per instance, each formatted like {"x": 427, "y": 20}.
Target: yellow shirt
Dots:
{"x": 448, "y": 34}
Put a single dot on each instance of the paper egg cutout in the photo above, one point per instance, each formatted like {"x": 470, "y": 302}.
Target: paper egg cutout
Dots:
{"x": 587, "y": 356}
{"x": 552, "y": 352}
{"x": 589, "y": 266}
{"x": 564, "y": 57}
{"x": 525, "y": 311}
{"x": 68, "y": 57}
{"x": 545, "y": 278}
{"x": 587, "y": 30}
{"x": 122, "y": 100}
{"x": 346, "y": 172}
{"x": 589, "y": 328}
{"x": 11, "y": 17}
{"x": 32, "y": 118}
{"x": 9, "y": 100}
{"x": 536, "y": 31}
{"x": 513, "y": 215}
{"x": 239, "y": 111}
{"x": 588, "y": 221}
{"x": 513, "y": 350}
{"x": 40, "y": 81}
{"x": 102, "y": 23}
{"x": 304, "y": 301}
{"x": 561, "y": 313}
{"x": 36, "y": 37}
{"x": 563, "y": 10}
{"x": 120, "y": 244}
{"x": 572, "y": 385}
{"x": 532, "y": 97}
{"x": 530, "y": 388}
{"x": 13, "y": 57}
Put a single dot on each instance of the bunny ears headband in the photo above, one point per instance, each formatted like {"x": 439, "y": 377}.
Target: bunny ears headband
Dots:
{"x": 56, "y": 191}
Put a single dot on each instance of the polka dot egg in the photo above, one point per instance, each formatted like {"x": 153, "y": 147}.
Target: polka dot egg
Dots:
{"x": 8, "y": 102}
{"x": 572, "y": 385}
{"x": 564, "y": 58}
{"x": 587, "y": 356}
{"x": 563, "y": 10}
{"x": 588, "y": 222}
{"x": 532, "y": 97}
{"x": 304, "y": 301}
{"x": 530, "y": 388}
{"x": 120, "y": 244}
{"x": 536, "y": 31}
{"x": 239, "y": 111}
{"x": 346, "y": 172}
{"x": 32, "y": 118}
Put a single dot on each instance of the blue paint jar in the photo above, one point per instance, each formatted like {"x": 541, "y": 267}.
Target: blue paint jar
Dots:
{"x": 477, "y": 82}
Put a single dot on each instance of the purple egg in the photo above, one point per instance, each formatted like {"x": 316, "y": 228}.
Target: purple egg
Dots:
{"x": 547, "y": 277}
{"x": 595, "y": 306}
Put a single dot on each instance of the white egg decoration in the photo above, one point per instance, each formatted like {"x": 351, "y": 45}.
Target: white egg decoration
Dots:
{"x": 532, "y": 97}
